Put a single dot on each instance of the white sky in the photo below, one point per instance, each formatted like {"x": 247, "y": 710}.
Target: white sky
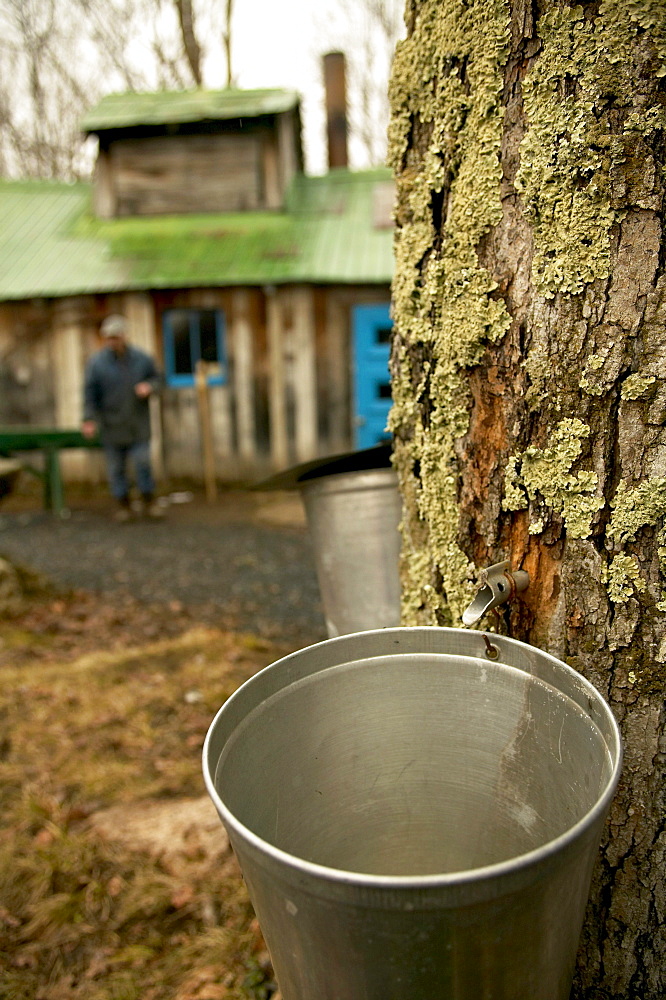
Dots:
{"x": 280, "y": 43}
{"x": 275, "y": 43}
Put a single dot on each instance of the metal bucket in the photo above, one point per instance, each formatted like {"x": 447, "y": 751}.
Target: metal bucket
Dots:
{"x": 415, "y": 820}
{"x": 353, "y": 519}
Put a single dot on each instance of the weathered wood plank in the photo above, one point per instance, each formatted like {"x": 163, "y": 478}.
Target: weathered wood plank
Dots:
{"x": 336, "y": 349}
{"x": 277, "y": 382}
{"x": 273, "y": 192}
{"x": 289, "y": 165}
{"x": 240, "y": 340}
{"x": 68, "y": 365}
{"x": 303, "y": 369}
{"x": 216, "y": 173}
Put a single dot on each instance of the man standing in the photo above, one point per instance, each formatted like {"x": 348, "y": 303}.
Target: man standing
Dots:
{"x": 118, "y": 381}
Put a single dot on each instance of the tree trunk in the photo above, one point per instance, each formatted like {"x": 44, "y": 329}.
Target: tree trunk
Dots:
{"x": 226, "y": 39}
{"x": 190, "y": 44}
{"x": 528, "y": 374}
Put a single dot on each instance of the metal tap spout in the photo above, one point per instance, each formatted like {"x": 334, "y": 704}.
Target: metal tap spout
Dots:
{"x": 499, "y": 584}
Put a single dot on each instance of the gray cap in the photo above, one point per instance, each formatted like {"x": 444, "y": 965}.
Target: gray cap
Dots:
{"x": 114, "y": 326}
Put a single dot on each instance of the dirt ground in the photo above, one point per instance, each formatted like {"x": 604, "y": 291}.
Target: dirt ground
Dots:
{"x": 121, "y": 641}
{"x": 243, "y": 562}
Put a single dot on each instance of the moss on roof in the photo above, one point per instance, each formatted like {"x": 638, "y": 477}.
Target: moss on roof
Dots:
{"x": 51, "y": 245}
{"x": 117, "y": 111}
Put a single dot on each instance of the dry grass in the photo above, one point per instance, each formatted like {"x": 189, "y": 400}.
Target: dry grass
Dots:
{"x": 88, "y": 915}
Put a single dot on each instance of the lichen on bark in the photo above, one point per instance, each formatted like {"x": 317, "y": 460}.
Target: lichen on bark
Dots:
{"x": 569, "y": 157}
{"x": 443, "y": 299}
{"x": 636, "y": 386}
{"x": 635, "y": 508}
{"x": 623, "y": 576}
{"x": 528, "y": 372}
{"x": 544, "y": 476}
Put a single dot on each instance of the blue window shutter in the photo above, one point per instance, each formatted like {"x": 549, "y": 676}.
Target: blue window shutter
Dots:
{"x": 194, "y": 319}
{"x": 371, "y": 327}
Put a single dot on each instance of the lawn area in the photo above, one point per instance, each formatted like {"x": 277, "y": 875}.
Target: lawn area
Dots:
{"x": 116, "y": 878}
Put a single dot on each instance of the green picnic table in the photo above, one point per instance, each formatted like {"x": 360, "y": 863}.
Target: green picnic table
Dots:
{"x": 16, "y": 440}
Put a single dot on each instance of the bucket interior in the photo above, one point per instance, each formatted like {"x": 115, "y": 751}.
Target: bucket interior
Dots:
{"x": 413, "y": 765}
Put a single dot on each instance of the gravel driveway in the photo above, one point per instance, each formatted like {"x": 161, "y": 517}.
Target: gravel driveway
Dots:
{"x": 243, "y": 562}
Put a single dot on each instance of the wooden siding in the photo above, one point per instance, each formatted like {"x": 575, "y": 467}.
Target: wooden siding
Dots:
{"x": 138, "y": 307}
{"x": 290, "y": 160}
{"x": 286, "y": 399}
{"x": 26, "y": 368}
{"x": 217, "y": 171}
{"x": 68, "y": 363}
{"x": 167, "y": 174}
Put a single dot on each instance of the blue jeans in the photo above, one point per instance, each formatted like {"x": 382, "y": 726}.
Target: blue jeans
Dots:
{"x": 117, "y": 458}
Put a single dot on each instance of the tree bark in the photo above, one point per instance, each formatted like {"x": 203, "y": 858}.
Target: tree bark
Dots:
{"x": 528, "y": 145}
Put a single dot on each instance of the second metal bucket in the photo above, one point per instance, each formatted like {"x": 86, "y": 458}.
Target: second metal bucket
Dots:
{"x": 415, "y": 820}
{"x": 353, "y": 519}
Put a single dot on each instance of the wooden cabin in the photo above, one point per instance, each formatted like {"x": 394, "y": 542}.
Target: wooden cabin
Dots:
{"x": 196, "y": 151}
{"x": 201, "y": 227}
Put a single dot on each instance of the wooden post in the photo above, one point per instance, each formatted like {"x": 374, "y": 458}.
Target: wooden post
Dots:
{"x": 203, "y": 400}
{"x": 277, "y": 387}
{"x": 71, "y": 321}
{"x": 241, "y": 338}
{"x": 304, "y": 372}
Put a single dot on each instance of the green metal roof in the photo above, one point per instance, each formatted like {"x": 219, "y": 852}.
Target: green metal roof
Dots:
{"x": 51, "y": 245}
{"x": 117, "y": 111}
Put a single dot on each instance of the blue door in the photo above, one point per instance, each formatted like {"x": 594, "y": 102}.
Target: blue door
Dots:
{"x": 372, "y": 387}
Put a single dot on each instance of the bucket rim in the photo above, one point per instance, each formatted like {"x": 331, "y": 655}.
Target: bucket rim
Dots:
{"x": 355, "y": 481}
{"x": 443, "y": 880}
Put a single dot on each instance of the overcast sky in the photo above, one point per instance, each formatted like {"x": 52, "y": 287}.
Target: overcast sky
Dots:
{"x": 275, "y": 43}
{"x": 280, "y": 43}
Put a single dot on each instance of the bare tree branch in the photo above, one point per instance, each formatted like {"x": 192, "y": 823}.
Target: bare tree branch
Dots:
{"x": 226, "y": 39}
{"x": 190, "y": 43}
{"x": 169, "y": 71}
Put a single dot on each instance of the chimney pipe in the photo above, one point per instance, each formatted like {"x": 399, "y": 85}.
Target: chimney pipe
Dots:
{"x": 336, "y": 108}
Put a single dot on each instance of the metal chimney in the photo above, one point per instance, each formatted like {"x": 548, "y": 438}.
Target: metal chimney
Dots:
{"x": 336, "y": 108}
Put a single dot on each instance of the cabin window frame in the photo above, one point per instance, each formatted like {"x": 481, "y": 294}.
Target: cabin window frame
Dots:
{"x": 177, "y": 379}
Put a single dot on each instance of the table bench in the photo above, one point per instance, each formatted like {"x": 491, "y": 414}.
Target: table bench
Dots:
{"x": 16, "y": 440}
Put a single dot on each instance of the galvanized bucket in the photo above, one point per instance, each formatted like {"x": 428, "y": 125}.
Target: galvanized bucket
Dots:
{"x": 353, "y": 519}
{"x": 414, "y": 820}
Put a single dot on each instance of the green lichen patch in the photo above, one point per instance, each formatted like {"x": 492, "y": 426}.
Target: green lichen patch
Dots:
{"x": 636, "y": 507}
{"x": 446, "y": 86}
{"x": 543, "y": 477}
{"x": 622, "y": 577}
{"x": 588, "y": 383}
{"x": 636, "y": 386}
{"x": 648, "y": 15}
{"x": 571, "y": 149}
{"x": 515, "y": 494}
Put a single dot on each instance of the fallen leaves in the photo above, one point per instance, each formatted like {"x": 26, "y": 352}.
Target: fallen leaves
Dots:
{"x": 116, "y": 876}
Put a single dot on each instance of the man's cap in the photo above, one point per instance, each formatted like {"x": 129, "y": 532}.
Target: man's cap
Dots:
{"x": 113, "y": 326}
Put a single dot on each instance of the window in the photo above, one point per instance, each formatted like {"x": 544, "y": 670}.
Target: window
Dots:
{"x": 192, "y": 335}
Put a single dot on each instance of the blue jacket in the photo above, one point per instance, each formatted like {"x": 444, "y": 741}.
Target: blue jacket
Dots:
{"x": 109, "y": 397}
